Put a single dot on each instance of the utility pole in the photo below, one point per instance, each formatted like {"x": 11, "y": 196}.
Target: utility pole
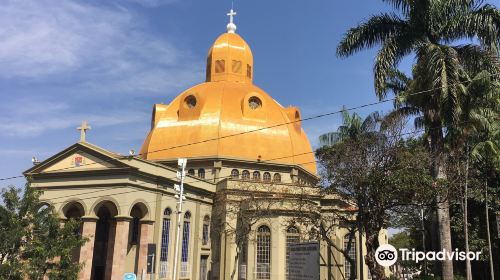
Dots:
{"x": 179, "y": 190}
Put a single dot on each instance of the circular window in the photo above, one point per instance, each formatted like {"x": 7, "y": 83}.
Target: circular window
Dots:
{"x": 190, "y": 101}
{"x": 254, "y": 102}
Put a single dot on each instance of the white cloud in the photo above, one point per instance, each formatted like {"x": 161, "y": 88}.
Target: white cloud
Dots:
{"x": 38, "y": 125}
{"x": 96, "y": 45}
{"x": 152, "y": 3}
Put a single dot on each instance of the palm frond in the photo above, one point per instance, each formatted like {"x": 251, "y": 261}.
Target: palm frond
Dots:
{"x": 393, "y": 50}
{"x": 370, "y": 33}
{"x": 475, "y": 59}
{"x": 481, "y": 21}
{"x": 329, "y": 139}
{"x": 404, "y": 6}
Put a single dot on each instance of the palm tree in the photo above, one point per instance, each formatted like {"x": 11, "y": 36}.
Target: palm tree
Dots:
{"x": 427, "y": 28}
{"x": 353, "y": 126}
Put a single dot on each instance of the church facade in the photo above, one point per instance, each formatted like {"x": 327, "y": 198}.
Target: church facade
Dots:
{"x": 248, "y": 159}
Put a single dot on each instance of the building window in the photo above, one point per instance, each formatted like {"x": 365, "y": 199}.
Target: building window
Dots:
{"x": 191, "y": 172}
{"x": 165, "y": 239}
{"x": 220, "y": 66}
{"x": 277, "y": 178}
{"x": 292, "y": 237}
{"x": 245, "y": 175}
{"x": 263, "y": 252}
{"x": 190, "y": 102}
{"x": 352, "y": 254}
{"x": 206, "y": 227}
{"x": 201, "y": 173}
{"x": 266, "y": 177}
{"x": 254, "y": 102}
{"x": 135, "y": 230}
{"x": 235, "y": 174}
{"x": 236, "y": 66}
{"x": 185, "y": 246}
{"x": 249, "y": 71}
{"x": 256, "y": 176}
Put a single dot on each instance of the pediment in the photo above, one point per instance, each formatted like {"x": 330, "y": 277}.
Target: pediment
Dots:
{"x": 79, "y": 161}
{"x": 79, "y": 157}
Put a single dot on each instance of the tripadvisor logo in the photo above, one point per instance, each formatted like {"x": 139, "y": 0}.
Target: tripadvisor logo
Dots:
{"x": 386, "y": 255}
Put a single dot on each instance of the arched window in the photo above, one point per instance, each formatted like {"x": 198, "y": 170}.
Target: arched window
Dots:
{"x": 220, "y": 66}
{"x": 135, "y": 230}
{"x": 236, "y": 66}
{"x": 256, "y": 176}
{"x": 235, "y": 174}
{"x": 245, "y": 175}
{"x": 350, "y": 240}
{"x": 292, "y": 237}
{"x": 205, "y": 232}
{"x": 201, "y": 173}
{"x": 185, "y": 246}
{"x": 191, "y": 172}
{"x": 266, "y": 177}
{"x": 277, "y": 178}
{"x": 263, "y": 252}
{"x": 249, "y": 71}
{"x": 165, "y": 239}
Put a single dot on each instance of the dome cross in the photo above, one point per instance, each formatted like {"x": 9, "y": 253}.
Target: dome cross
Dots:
{"x": 231, "y": 27}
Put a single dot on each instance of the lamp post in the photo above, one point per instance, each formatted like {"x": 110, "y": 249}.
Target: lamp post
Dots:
{"x": 179, "y": 189}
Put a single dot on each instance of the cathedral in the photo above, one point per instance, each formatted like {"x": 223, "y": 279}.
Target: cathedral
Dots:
{"x": 246, "y": 158}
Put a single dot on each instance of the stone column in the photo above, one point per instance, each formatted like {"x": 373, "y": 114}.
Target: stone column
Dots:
{"x": 217, "y": 169}
{"x": 120, "y": 246}
{"x": 87, "y": 250}
{"x": 110, "y": 250}
{"x": 294, "y": 174}
{"x": 145, "y": 239}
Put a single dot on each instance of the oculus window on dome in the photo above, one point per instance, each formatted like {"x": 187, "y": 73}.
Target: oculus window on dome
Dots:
{"x": 254, "y": 102}
{"x": 190, "y": 101}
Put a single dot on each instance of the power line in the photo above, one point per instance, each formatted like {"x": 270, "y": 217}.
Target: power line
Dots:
{"x": 269, "y": 127}
{"x": 229, "y": 176}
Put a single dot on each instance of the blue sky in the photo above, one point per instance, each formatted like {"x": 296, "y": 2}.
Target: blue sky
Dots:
{"x": 109, "y": 61}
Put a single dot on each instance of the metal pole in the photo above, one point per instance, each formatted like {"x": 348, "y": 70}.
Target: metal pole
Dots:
{"x": 182, "y": 166}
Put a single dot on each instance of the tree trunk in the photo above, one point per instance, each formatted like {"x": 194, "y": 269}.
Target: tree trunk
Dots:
{"x": 443, "y": 209}
{"x": 372, "y": 243}
{"x": 466, "y": 223}
{"x": 360, "y": 237}
{"x": 492, "y": 270}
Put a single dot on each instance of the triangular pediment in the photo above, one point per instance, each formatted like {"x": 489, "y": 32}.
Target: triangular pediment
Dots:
{"x": 79, "y": 157}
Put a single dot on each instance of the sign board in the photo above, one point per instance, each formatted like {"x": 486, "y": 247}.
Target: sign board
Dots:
{"x": 303, "y": 261}
{"x": 151, "y": 258}
{"x": 129, "y": 276}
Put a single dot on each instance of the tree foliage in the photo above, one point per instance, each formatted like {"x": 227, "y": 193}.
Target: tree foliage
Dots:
{"x": 32, "y": 241}
{"x": 382, "y": 173}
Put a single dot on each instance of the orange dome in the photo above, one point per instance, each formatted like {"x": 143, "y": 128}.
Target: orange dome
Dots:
{"x": 221, "y": 115}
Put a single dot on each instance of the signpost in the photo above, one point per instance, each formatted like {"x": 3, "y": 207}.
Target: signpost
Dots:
{"x": 303, "y": 261}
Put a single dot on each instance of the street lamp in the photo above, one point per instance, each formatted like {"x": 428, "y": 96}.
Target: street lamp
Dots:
{"x": 179, "y": 194}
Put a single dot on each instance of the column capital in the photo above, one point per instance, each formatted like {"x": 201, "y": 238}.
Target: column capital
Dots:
{"x": 89, "y": 218}
{"x": 147, "y": 221}
{"x": 123, "y": 218}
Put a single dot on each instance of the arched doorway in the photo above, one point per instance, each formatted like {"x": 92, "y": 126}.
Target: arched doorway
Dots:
{"x": 104, "y": 240}
{"x": 74, "y": 210}
{"x": 138, "y": 212}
